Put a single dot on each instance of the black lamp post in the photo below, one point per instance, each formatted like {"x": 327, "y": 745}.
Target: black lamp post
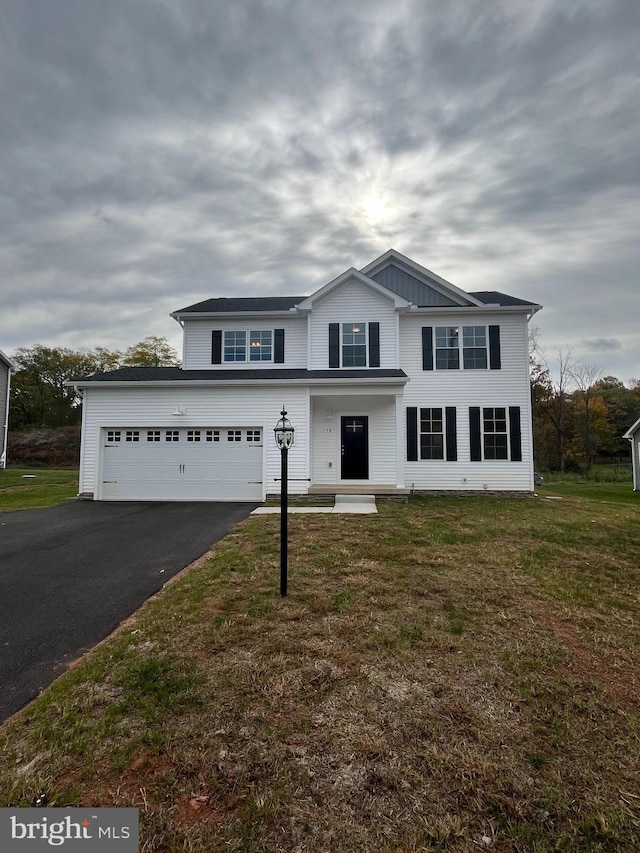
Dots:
{"x": 283, "y": 432}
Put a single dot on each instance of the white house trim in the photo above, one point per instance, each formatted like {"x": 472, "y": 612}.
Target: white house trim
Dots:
{"x": 633, "y": 434}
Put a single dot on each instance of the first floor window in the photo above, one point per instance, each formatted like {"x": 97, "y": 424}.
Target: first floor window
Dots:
{"x": 431, "y": 434}
{"x": 494, "y": 426}
{"x": 495, "y": 433}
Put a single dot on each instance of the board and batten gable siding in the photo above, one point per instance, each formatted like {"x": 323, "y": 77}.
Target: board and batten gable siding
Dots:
{"x": 197, "y": 341}
{"x": 462, "y": 389}
{"x": 4, "y": 388}
{"x": 352, "y": 302}
{"x": 326, "y": 434}
{"x": 250, "y": 407}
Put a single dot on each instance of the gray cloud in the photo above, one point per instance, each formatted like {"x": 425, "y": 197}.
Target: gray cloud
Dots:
{"x": 603, "y": 344}
{"x": 158, "y": 153}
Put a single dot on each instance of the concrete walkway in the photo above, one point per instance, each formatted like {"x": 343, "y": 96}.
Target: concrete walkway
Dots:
{"x": 356, "y": 504}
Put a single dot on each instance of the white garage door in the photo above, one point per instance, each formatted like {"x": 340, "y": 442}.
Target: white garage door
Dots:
{"x": 182, "y": 464}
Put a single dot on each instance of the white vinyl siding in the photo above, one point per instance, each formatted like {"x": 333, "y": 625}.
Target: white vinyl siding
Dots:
{"x": 214, "y": 410}
{"x": 462, "y": 389}
{"x": 349, "y": 303}
{"x": 197, "y": 342}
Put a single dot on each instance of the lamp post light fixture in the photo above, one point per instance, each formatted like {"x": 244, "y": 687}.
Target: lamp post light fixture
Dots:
{"x": 284, "y": 434}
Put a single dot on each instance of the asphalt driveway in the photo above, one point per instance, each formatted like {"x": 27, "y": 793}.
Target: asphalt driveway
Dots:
{"x": 70, "y": 574}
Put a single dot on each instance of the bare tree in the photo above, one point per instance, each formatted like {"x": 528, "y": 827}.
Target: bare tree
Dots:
{"x": 584, "y": 376}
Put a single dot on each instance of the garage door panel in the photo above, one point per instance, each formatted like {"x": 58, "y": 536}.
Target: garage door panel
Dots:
{"x": 185, "y": 464}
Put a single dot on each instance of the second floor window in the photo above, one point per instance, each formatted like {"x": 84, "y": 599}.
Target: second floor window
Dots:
{"x": 447, "y": 348}
{"x": 354, "y": 344}
{"x": 461, "y": 347}
{"x": 260, "y": 346}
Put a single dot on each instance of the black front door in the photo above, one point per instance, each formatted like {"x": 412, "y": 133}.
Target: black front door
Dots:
{"x": 355, "y": 447}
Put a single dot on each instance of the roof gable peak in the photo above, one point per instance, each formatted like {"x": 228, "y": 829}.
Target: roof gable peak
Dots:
{"x": 353, "y": 274}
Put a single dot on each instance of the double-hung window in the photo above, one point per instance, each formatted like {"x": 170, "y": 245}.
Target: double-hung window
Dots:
{"x": 260, "y": 346}
{"x": 495, "y": 433}
{"x": 235, "y": 346}
{"x": 474, "y": 347}
{"x": 494, "y": 428}
{"x": 461, "y": 347}
{"x": 447, "y": 348}
{"x": 354, "y": 344}
{"x": 431, "y": 434}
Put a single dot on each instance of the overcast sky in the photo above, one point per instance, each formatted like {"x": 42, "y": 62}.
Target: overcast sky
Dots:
{"x": 154, "y": 153}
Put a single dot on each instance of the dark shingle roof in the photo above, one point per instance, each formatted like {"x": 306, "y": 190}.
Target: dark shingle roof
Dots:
{"x": 226, "y": 305}
{"x": 176, "y": 374}
{"x": 495, "y": 297}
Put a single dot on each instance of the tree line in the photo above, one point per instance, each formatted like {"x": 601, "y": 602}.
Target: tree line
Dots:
{"x": 39, "y": 396}
{"x": 579, "y": 416}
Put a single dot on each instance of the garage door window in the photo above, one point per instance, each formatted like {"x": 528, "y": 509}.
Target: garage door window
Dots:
{"x": 234, "y": 435}
{"x": 113, "y": 435}
{"x": 153, "y": 435}
{"x": 172, "y": 435}
{"x": 193, "y": 435}
{"x": 253, "y": 435}
{"x": 132, "y": 435}
{"x": 213, "y": 435}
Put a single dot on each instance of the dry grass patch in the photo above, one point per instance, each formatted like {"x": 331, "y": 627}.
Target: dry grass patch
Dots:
{"x": 447, "y": 675}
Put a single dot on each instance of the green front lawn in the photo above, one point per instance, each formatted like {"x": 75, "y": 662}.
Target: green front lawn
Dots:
{"x": 31, "y": 488}
{"x": 452, "y": 674}
{"x": 616, "y": 492}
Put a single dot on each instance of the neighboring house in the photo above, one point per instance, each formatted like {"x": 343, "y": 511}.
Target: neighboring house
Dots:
{"x": 6, "y": 366}
{"x": 633, "y": 434}
{"x": 394, "y": 379}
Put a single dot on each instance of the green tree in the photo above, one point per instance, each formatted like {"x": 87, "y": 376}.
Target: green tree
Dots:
{"x": 153, "y": 351}
{"x": 39, "y": 396}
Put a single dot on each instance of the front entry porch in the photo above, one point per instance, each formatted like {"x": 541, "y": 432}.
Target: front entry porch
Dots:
{"x": 356, "y": 443}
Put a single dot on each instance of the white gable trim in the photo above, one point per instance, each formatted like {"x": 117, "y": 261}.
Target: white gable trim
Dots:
{"x": 427, "y": 276}
{"x": 632, "y": 430}
{"x": 348, "y": 275}
{"x": 7, "y": 361}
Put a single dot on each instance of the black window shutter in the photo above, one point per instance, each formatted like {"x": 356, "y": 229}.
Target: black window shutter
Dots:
{"x": 334, "y": 344}
{"x": 412, "y": 434}
{"x": 474, "y": 434}
{"x": 427, "y": 348}
{"x": 494, "y": 348}
{"x": 374, "y": 344}
{"x": 515, "y": 433}
{"x": 216, "y": 346}
{"x": 452, "y": 434}
{"x": 278, "y": 346}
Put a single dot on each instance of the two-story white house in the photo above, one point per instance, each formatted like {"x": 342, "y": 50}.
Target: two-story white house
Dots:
{"x": 394, "y": 379}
